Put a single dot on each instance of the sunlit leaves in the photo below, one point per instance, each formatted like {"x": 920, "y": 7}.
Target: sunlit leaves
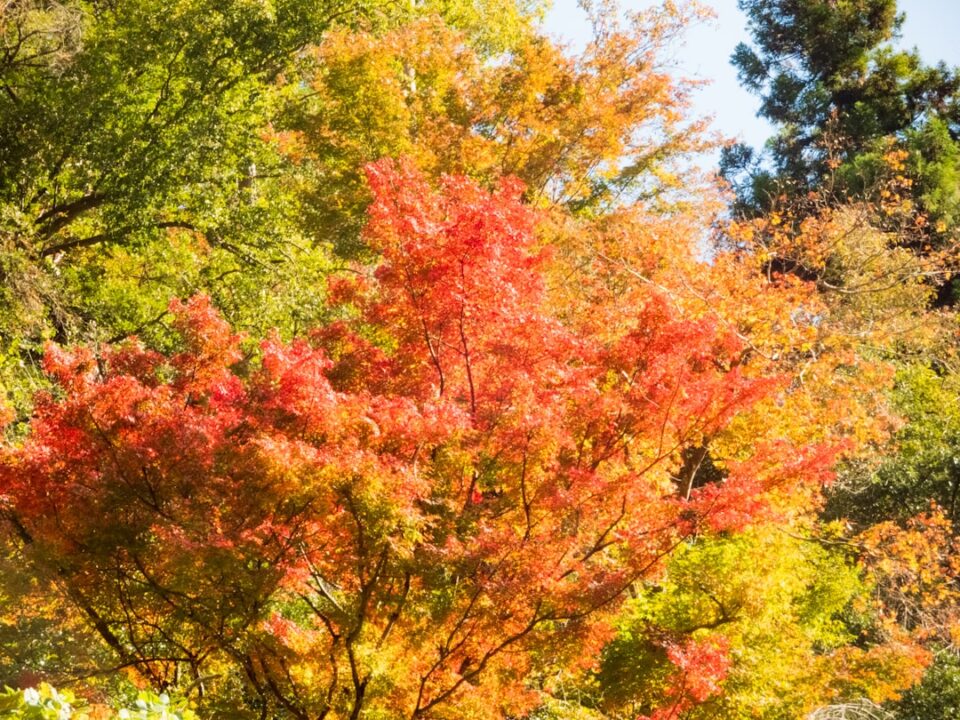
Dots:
{"x": 450, "y": 474}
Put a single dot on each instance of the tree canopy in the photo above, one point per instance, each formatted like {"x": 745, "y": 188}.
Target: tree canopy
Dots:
{"x": 392, "y": 360}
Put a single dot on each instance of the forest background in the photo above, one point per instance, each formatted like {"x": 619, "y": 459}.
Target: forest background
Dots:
{"x": 367, "y": 359}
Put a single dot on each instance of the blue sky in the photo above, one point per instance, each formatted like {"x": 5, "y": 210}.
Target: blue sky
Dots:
{"x": 933, "y": 26}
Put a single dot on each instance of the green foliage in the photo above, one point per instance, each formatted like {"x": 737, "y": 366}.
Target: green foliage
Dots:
{"x": 937, "y": 697}
{"x": 134, "y": 167}
{"x": 47, "y": 703}
{"x": 492, "y": 26}
{"x": 935, "y": 162}
{"x": 922, "y": 466}
{"x": 784, "y": 604}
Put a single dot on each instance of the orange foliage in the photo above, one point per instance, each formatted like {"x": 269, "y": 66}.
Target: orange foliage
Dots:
{"x": 581, "y": 131}
{"x": 916, "y": 569}
{"x": 454, "y": 483}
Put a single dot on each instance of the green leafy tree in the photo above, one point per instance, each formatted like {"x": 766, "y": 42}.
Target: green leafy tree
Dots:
{"x": 794, "y": 613}
{"x": 923, "y": 467}
{"x": 133, "y": 164}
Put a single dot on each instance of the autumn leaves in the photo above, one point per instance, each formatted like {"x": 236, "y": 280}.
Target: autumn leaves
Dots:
{"x": 457, "y": 416}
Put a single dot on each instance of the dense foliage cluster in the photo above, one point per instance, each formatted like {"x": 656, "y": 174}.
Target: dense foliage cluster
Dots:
{"x": 391, "y": 360}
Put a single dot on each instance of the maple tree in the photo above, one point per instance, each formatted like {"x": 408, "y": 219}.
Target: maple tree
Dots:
{"x": 441, "y": 496}
{"x": 539, "y": 432}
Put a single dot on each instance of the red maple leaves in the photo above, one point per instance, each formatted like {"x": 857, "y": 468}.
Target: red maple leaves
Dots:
{"x": 449, "y": 477}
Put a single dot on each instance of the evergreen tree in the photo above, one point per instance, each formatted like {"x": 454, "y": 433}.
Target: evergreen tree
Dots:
{"x": 840, "y": 96}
